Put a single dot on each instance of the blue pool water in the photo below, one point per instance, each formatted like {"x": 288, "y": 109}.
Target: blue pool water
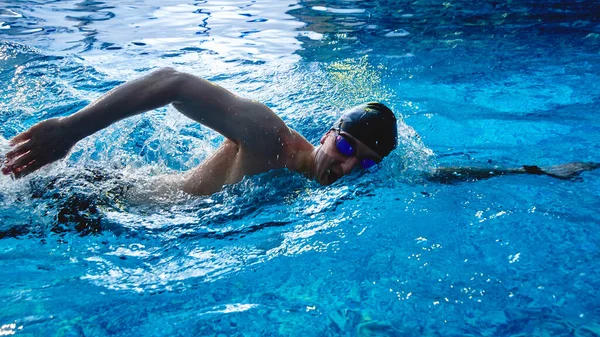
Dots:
{"x": 383, "y": 254}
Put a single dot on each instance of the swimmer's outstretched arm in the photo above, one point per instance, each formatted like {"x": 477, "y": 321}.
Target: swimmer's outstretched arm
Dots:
{"x": 236, "y": 118}
{"x": 456, "y": 174}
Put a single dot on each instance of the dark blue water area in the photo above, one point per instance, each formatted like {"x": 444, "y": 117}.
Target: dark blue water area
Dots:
{"x": 84, "y": 251}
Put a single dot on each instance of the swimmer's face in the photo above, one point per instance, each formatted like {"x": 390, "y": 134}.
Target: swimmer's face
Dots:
{"x": 333, "y": 162}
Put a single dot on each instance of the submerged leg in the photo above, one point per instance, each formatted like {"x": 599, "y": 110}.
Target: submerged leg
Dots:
{"x": 449, "y": 175}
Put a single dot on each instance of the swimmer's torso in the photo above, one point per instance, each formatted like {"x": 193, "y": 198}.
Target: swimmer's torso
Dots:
{"x": 232, "y": 162}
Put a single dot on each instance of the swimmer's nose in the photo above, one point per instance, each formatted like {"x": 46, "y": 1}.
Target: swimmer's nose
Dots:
{"x": 349, "y": 165}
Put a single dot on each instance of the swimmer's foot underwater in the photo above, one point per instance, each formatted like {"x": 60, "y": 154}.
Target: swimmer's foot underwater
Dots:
{"x": 570, "y": 171}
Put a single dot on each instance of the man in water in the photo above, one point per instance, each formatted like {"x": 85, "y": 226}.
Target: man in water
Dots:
{"x": 256, "y": 139}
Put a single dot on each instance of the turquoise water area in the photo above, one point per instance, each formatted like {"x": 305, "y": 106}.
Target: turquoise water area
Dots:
{"x": 386, "y": 253}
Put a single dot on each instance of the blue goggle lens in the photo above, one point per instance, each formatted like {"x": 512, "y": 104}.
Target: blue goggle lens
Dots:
{"x": 367, "y": 163}
{"x": 348, "y": 150}
{"x": 344, "y": 147}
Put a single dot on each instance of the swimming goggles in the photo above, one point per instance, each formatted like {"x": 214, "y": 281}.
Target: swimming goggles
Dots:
{"x": 345, "y": 148}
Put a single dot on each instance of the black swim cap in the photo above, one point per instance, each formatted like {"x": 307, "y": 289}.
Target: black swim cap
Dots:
{"x": 373, "y": 123}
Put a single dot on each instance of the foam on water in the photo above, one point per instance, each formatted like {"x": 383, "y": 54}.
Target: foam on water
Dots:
{"x": 96, "y": 245}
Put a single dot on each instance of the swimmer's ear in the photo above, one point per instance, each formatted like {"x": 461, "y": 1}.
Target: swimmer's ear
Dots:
{"x": 325, "y": 137}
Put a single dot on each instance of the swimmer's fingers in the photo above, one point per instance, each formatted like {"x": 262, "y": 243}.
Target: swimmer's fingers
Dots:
{"x": 27, "y": 163}
{"x": 29, "y": 168}
{"x": 19, "y": 163}
{"x": 19, "y": 150}
{"x": 21, "y": 144}
{"x": 21, "y": 137}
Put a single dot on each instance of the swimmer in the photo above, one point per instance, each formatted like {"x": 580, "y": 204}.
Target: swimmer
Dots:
{"x": 256, "y": 139}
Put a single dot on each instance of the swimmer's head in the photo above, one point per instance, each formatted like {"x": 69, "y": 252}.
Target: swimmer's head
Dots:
{"x": 373, "y": 123}
{"x": 360, "y": 138}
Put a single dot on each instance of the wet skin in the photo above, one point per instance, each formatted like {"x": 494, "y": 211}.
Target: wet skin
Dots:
{"x": 331, "y": 165}
{"x": 257, "y": 140}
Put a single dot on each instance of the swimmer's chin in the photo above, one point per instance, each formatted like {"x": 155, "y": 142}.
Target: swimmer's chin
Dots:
{"x": 327, "y": 178}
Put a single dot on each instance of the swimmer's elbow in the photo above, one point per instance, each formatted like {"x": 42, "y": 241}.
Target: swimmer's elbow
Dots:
{"x": 163, "y": 84}
{"x": 166, "y": 74}
{"x": 185, "y": 85}
{"x": 166, "y": 71}
{"x": 194, "y": 91}
{"x": 177, "y": 87}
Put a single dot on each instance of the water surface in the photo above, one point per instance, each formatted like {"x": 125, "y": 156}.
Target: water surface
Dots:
{"x": 385, "y": 253}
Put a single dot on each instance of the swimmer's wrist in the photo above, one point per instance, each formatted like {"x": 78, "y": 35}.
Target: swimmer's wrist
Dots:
{"x": 77, "y": 129}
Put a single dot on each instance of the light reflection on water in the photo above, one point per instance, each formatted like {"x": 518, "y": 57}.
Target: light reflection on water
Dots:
{"x": 380, "y": 253}
{"x": 231, "y": 29}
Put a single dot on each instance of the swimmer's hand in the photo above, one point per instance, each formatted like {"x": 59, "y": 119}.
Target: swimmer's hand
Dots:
{"x": 44, "y": 143}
